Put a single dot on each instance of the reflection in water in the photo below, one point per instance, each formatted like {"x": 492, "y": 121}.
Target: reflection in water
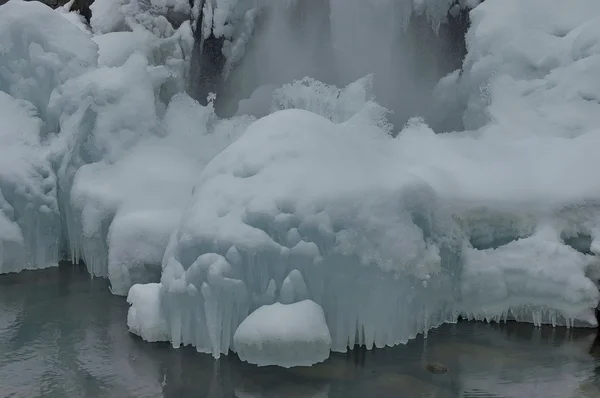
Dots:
{"x": 63, "y": 334}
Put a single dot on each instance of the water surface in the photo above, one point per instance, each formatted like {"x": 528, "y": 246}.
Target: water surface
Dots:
{"x": 63, "y": 334}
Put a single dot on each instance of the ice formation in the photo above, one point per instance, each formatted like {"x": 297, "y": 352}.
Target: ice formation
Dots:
{"x": 34, "y": 61}
{"x": 389, "y": 231}
{"x": 285, "y": 335}
{"x": 29, "y": 217}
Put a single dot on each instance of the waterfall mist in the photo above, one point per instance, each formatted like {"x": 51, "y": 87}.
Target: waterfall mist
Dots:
{"x": 338, "y": 42}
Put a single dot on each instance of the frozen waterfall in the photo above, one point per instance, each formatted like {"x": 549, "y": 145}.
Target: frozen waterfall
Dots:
{"x": 286, "y": 178}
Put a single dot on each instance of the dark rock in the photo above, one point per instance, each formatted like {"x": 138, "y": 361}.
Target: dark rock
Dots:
{"x": 436, "y": 368}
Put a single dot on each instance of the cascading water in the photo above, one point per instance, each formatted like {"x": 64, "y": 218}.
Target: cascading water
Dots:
{"x": 334, "y": 41}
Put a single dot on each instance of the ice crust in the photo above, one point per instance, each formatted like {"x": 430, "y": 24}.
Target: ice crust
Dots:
{"x": 285, "y": 335}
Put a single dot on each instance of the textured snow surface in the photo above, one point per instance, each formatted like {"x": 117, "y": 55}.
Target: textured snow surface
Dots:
{"x": 284, "y": 335}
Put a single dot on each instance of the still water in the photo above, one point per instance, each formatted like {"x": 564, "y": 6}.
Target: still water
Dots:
{"x": 64, "y": 335}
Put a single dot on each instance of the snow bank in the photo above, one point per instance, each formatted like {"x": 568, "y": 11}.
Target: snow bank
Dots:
{"x": 284, "y": 335}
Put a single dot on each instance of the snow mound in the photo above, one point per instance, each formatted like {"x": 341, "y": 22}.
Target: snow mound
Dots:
{"x": 284, "y": 335}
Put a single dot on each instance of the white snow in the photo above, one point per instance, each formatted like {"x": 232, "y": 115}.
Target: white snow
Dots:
{"x": 145, "y": 318}
{"x": 284, "y": 335}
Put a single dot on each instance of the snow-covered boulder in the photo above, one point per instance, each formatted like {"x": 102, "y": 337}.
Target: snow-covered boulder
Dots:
{"x": 284, "y": 335}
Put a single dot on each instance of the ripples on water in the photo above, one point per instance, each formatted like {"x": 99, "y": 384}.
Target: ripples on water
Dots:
{"x": 63, "y": 334}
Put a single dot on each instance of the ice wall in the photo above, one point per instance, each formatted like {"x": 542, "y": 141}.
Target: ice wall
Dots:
{"x": 34, "y": 61}
{"x": 29, "y": 218}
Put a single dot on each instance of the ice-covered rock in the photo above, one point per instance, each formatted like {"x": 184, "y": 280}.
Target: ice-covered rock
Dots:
{"x": 284, "y": 335}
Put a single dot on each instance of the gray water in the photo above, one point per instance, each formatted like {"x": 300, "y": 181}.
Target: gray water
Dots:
{"x": 63, "y": 334}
